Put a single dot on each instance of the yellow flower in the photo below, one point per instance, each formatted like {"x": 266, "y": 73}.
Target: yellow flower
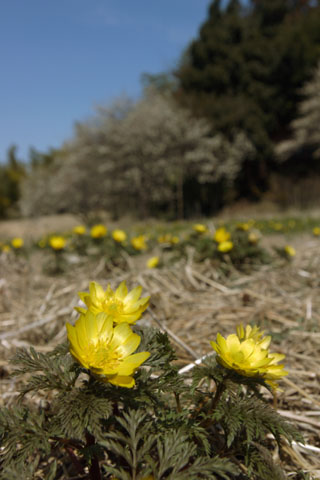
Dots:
{"x": 17, "y": 242}
{"x": 225, "y": 246}
{"x": 98, "y": 231}
{"x": 243, "y": 226}
{"x": 221, "y": 235}
{"x": 79, "y": 230}
{"x": 119, "y": 236}
{"x": 200, "y": 228}
{"x": 277, "y": 226}
{"x": 57, "y": 243}
{"x": 290, "y": 251}
{"x": 106, "y": 351}
{"x": 253, "y": 238}
{"x": 316, "y": 231}
{"x": 247, "y": 353}
{"x": 6, "y": 248}
{"x": 139, "y": 243}
{"x": 119, "y": 304}
{"x": 168, "y": 238}
{"x": 153, "y": 262}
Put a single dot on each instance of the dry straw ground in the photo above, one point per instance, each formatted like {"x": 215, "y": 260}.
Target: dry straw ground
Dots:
{"x": 192, "y": 302}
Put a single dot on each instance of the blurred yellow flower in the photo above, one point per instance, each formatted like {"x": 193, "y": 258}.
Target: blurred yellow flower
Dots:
{"x": 277, "y": 226}
{"x": 139, "y": 243}
{"x": 225, "y": 247}
{"x": 168, "y": 238}
{"x": 119, "y": 304}
{"x": 17, "y": 242}
{"x": 153, "y": 262}
{"x": 253, "y": 237}
{"x": 57, "y": 242}
{"x": 79, "y": 230}
{"x": 98, "y": 231}
{"x": 200, "y": 228}
{"x": 243, "y": 226}
{"x": 316, "y": 231}
{"x": 119, "y": 236}
{"x": 6, "y": 248}
{"x": 221, "y": 235}
{"x": 290, "y": 251}
{"x": 106, "y": 350}
{"x": 247, "y": 353}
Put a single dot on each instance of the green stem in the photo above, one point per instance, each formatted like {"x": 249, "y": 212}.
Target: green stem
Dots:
{"x": 94, "y": 470}
{"x": 220, "y": 389}
{"x": 177, "y": 397}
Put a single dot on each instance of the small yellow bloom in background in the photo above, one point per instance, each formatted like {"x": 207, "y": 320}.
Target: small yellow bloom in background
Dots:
{"x": 98, "y": 231}
{"x": 6, "y": 248}
{"x": 277, "y": 226}
{"x": 200, "y": 228}
{"x": 290, "y": 251}
{"x": 57, "y": 242}
{"x": 225, "y": 247}
{"x": 79, "y": 230}
{"x": 243, "y": 226}
{"x": 316, "y": 231}
{"x": 119, "y": 304}
{"x": 253, "y": 238}
{"x": 119, "y": 236}
{"x": 168, "y": 238}
{"x": 247, "y": 353}
{"x": 106, "y": 350}
{"x": 17, "y": 242}
{"x": 221, "y": 235}
{"x": 153, "y": 262}
{"x": 139, "y": 243}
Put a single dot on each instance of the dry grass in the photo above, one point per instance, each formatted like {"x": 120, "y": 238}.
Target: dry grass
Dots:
{"x": 192, "y": 302}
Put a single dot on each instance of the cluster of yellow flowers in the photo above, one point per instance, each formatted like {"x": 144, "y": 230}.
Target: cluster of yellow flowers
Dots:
{"x": 223, "y": 239}
{"x": 139, "y": 243}
{"x": 168, "y": 238}
{"x": 102, "y": 340}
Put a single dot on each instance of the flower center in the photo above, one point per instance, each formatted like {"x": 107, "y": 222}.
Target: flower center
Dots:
{"x": 99, "y": 355}
{"x": 113, "y": 306}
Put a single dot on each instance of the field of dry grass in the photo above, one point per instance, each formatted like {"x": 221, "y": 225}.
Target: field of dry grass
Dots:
{"x": 191, "y": 302}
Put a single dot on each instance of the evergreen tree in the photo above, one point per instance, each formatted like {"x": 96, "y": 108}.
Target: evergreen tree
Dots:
{"x": 245, "y": 69}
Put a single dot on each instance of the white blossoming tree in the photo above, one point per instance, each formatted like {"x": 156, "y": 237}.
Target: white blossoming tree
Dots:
{"x": 136, "y": 158}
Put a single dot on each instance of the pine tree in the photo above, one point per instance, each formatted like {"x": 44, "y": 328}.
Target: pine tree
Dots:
{"x": 245, "y": 69}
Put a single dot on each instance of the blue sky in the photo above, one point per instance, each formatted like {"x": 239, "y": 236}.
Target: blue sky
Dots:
{"x": 59, "y": 58}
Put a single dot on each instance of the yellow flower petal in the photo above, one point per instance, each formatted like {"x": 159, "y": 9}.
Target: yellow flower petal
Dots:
{"x": 122, "y": 291}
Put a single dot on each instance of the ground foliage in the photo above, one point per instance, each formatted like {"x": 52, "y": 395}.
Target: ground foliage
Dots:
{"x": 162, "y": 428}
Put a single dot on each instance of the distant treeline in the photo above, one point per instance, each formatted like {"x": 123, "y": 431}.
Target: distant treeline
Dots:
{"x": 239, "y": 117}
